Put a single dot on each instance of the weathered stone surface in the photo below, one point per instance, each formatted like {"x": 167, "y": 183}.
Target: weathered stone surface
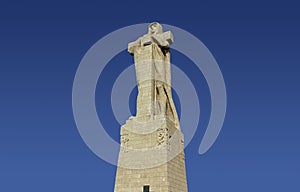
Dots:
{"x": 152, "y": 145}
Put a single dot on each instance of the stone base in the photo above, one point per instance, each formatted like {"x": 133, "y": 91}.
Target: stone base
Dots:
{"x": 154, "y": 159}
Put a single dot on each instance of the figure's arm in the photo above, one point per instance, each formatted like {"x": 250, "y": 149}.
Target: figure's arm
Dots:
{"x": 168, "y": 36}
{"x": 157, "y": 38}
{"x": 146, "y": 40}
{"x": 164, "y": 40}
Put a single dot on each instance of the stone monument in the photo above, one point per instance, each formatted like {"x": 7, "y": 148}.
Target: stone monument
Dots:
{"x": 151, "y": 157}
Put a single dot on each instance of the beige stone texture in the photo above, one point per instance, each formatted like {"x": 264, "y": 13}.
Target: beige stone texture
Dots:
{"x": 152, "y": 145}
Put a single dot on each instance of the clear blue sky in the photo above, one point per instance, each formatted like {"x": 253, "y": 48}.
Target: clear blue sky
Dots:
{"x": 257, "y": 46}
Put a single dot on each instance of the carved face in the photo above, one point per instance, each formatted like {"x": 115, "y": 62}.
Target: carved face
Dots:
{"x": 154, "y": 28}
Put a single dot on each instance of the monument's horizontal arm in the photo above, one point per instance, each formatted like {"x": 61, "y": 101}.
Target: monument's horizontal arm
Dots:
{"x": 133, "y": 45}
{"x": 168, "y": 36}
{"x": 162, "y": 39}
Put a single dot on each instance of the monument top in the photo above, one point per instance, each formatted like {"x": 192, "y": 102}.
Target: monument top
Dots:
{"x": 155, "y": 35}
{"x": 155, "y": 28}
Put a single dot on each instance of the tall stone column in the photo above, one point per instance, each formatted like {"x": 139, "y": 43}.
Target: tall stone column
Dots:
{"x": 152, "y": 149}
